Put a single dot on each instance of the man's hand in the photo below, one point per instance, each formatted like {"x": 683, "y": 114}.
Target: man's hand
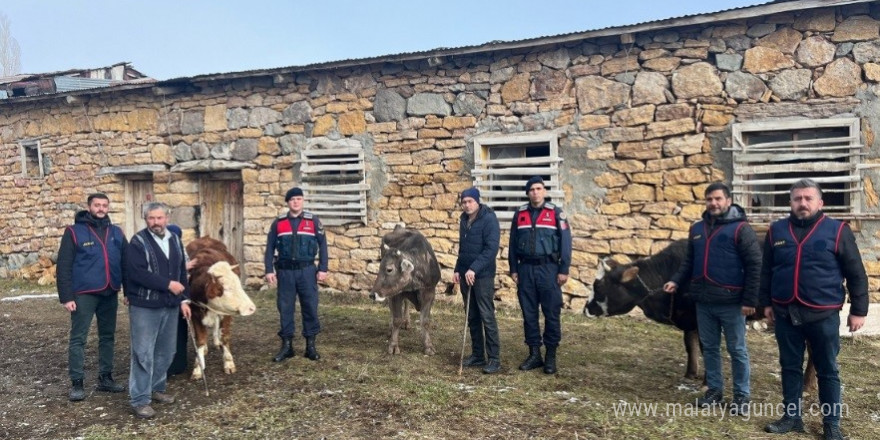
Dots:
{"x": 768, "y": 314}
{"x": 456, "y": 278}
{"x": 184, "y": 308}
{"x": 561, "y": 279}
{"x": 855, "y": 322}
{"x": 191, "y": 263}
{"x": 748, "y": 311}
{"x": 175, "y": 287}
{"x": 470, "y": 276}
{"x": 322, "y": 276}
{"x": 515, "y": 277}
{"x": 271, "y": 279}
{"x": 70, "y": 306}
{"x": 670, "y": 287}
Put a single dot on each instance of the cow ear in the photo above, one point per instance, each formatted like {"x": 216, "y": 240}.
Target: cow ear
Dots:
{"x": 629, "y": 274}
{"x": 406, "y": 266}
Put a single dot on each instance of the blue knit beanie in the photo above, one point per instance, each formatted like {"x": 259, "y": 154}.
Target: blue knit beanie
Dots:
{"x": 532, "y": 181}
{"x": 471, "y": 192}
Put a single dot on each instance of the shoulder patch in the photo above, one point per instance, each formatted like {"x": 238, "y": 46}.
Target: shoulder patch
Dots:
{"x": 307, "y": 214}
{"x": 282, "y": 216}
{"x": 523, "y": 207}
{"x": 549, "y": 205}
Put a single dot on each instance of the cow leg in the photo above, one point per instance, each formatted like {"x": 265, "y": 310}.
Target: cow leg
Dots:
{"x": 201, "y": 335}
{"x": 692, "y": 347}
{"x": 225, "y": 339}
{"x": 405, "y": 324}
{"x": 426, "y": 299}
{"x": 397, "y": 320}
{"x": 811, "y": 382}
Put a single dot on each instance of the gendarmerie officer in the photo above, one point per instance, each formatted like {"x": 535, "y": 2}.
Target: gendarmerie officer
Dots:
{"x": 294, "y": 241}
{"x": 539, "y": 257}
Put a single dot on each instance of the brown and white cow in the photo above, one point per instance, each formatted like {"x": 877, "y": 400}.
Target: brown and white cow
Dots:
{"x": 217, "y": 295}
{"x": 408, "y": 271}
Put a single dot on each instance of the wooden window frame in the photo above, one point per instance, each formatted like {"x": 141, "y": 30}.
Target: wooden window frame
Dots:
{"x": 489, "y": 174}
{"x": 27, "y": 146}
{"x": 335, "y": 203}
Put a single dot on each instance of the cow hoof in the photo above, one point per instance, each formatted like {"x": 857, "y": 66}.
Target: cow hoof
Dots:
{"x": 393, "y": 350}
{"x": 430, "y": 351}
{"x": 692, "y": 376}
{"x": 229, "y": 370}
{"x": 196, "y": 376}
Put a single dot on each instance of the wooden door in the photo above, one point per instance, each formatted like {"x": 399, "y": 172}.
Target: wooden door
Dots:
{"x": 221, "y": 213}
{"x": 138, "y": 191}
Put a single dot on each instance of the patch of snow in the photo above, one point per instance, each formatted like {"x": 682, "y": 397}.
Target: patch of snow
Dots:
{"x": 31, "y": 296}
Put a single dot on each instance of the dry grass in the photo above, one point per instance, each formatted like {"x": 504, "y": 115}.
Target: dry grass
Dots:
{"x": 357, "y": 391}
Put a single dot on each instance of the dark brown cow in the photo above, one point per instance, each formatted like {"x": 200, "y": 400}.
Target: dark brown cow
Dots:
{"x": 620, "y": 288}
{"x": 408, "y": 271}
{"x": 217, "y": 295}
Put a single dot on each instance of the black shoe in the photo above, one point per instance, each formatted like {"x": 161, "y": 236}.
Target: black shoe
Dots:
{"x": 492, "y": 367}
{"x": 311, "y": 351}
{"x": 285, "y": 352}
{"x": 77, "y": 392}
{"x": 534, "y": 360}
{"x": 108, "y": 385}
{"x": 712, "y": 397}
{"x": 785, "y": 424}
{"x": 550, "y": 360}
{"x": 832, "y": 432}
{"x": 473, "y": 361}
{"x": 740, "y": 405}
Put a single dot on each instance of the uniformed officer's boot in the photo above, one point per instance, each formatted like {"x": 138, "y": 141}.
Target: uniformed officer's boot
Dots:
{"x": 285, "y": 352}
{"x": 77, "y": 392}
{"x": 311, "y": 351}
{"x": 534, "y": 360}
{"x": 550, "y": 360}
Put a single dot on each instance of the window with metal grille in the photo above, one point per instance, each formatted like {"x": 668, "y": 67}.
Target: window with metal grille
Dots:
{"x": 31, "y": 159}
{"x": 334, "y": 181}
{"x": 769, "y": 156}
{"x": 503, "y": 165}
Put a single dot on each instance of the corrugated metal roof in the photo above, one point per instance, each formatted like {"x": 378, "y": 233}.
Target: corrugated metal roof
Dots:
{"x": 69, "y": 83}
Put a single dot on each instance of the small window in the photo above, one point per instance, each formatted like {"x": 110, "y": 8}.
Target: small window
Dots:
{"x": 503, "y": 165}
{"x": 769, "y": 156}
{"x": 31, "y": 159}
{"x": 334, "y": 181}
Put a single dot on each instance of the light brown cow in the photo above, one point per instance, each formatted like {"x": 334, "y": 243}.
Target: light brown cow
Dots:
{"x": 217, "y": 295}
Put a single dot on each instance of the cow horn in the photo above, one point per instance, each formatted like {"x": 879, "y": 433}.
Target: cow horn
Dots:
{"x": 233, "y": 267}
{"x": 398, "y": 252}
{"x": 606, "y": 264}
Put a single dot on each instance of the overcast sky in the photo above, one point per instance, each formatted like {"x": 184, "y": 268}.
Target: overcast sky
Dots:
{"x": 172, "y": 38}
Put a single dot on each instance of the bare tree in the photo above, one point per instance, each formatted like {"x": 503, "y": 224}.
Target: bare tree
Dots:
{"x": 10, "y": 52}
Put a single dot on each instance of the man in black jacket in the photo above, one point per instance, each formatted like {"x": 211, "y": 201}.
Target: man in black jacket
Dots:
{"x": 479, "y": 236}
{"x": 723, "y": 263}
{"x": 156, "y": 288}
{"x": 807, "y": 256}
{"x": 89, "y": 277}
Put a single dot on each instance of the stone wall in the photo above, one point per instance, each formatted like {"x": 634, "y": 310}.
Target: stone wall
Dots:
{"x": 642, "y": 127}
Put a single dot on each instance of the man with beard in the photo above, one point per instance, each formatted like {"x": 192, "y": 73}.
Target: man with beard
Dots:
{"x": 807, "y": 257}
{"x": 89, "y": 276}
{"x": 723, "y": 264}
{"x": 156, "y": 288}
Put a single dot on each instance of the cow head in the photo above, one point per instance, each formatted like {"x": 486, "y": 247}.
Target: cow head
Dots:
{"x": 395, "y": 274}
{"x": 224, "y": 292}
{"x": 611, "y": 290}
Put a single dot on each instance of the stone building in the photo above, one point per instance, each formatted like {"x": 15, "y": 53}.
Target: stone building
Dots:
{"x": 627, "y": 124}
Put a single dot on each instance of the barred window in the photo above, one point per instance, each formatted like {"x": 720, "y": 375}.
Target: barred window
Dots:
{"x": 769, "y": 156}
{"x": 334, "y": 180}
{"x": 503, "y": 164}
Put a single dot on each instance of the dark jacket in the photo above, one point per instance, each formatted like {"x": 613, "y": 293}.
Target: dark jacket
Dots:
{"x": 849, "y": 261}
{"x": 149, "y": 272}
{"x": 552, "y": 241}
{"x": 96, "y": 277}
{"x": 298, "y": 246}
{"x": 478, "y": 243}
{"x": 746, "y": 249}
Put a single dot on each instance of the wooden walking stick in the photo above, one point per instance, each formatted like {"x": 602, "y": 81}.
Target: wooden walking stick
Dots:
{"x": 467, "y": 310}
{"x": 199, "y": 359}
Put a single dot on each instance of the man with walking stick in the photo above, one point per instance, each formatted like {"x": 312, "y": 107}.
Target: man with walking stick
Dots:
{"x": 478, "y": 238}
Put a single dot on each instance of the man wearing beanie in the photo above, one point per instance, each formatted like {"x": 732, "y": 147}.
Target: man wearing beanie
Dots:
{"x": 539, "y": 256}
{"x": 478, "y": 239}
{"x": 295, "y": 239}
